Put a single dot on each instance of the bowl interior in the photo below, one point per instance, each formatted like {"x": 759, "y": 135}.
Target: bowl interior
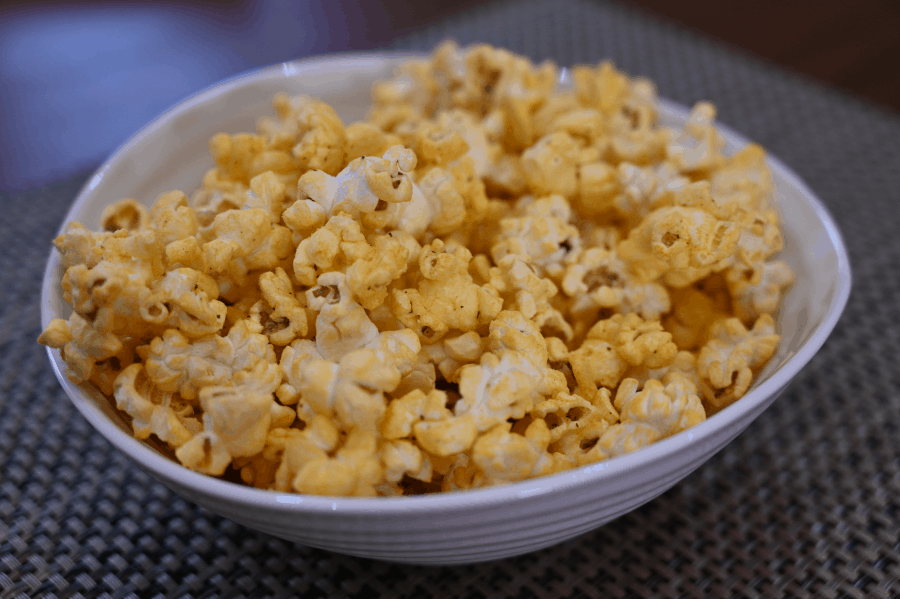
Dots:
{"x": 172, "y": 153}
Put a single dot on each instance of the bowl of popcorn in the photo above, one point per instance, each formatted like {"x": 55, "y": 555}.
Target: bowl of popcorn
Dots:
{"x": 435, "y": 309}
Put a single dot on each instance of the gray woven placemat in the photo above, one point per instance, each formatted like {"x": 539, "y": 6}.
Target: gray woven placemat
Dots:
{"x": 802, "y": 504}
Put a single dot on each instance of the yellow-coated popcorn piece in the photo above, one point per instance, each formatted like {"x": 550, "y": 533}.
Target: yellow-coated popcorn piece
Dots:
{"x": 446, "y": 298}
{"x": 292, "y": 449}
{"x": 294, "y": 360}
{"x": 743, "y": 179}
{"x": 727, "y": 362}
{"x": 567, "y": 414}
{"x": 57, "y": 334}
{"x": 185, "y": 299}
{"x": 82, "y": 345}
{"x": 634, "y": 134}
{"x": 644, "y": 189}
{"x": 503, "y": 457}
{"x": 365, "y": 186}
{"x": 430, "y": 422}
{"x": 334, "y": 246}
{"x": 637, "y": 340}
{"x": 604, "y": 87}
{"x": 524, "y": 291}
{"x": 699, "y": 146}
{"x": 245, "y": 240}
{"x": 489, "y": 279}
{"x": 152, "y": 410}
{"x": 234, "y": 154}
{"x": 351, "y": 391}
{"x": 400, "y": 458}
{"x": 695, "y": 309}
{"x": 451, "y": 353}
{"x": 177, "y": 363}
{"x": 285, "y": 319}
{"x": 601, "y": 279}
{"x": 78, "y": 245}
{"x": 404, "y": 412}
{"x": 550, "y": 165}
{"x": 504, "y": 386}
{"x": 618, "y": 439}
{"x": 311, "y": 130}
{"x": 674, "y": 239}
{"x": 541, "y": 231}
{"x": 752, "y": 299}
{"x": 269, "y": 192}
{"x": 128, "y": 214}
{"x": 354, "y": 470}
{"x": 172, "y": 218}
{"x": 366, "y": 139}
{"x": 124, "y": 265}
{"x": 670, "y": 409}
{"x": 239, "y": 417}
{"x": 342, "y": 325}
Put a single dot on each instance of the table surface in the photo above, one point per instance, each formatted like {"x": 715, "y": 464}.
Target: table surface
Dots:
{"x": 803, "y": 504}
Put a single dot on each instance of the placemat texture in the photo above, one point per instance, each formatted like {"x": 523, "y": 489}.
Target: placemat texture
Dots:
{"x": 803, "y": 504}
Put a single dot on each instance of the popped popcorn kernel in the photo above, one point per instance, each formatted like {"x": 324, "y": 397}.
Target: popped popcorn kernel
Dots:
{"x": 726, "y": 364}
{"x": 128, "y": 214}
{"x": 503, "y": 456}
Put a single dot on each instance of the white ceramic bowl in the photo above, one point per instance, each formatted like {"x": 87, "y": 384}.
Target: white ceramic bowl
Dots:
{"x": 171, "y": 153}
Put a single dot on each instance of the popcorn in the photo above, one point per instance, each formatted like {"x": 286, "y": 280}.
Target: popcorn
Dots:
{"x": 268, "y": 192}
{"x": 670, "y": 409}
{"x": 510, "y": 378}
{"x": 751, "y": 300}
{"x": 679, "y": 241}
{"x": 568, "y": 414}
{"x": 726, "y": 364}
{"x": 286, "y": 319}
{"x": 177, "y": 363}
{"x": 350, "y": 391}
{"x": 172, "y": 218}
{"x": 698, "y": 147}
{"x": 311, "y": 130}
{"x": 601, "y": 279}
{"x": 550, "y": 165}
{"x": 611, "y": 441}
{"x": 505, "y": 457}
{"x": 128, "y": 214}
{"x": 529, "y": 294}
{"x": 365, "y": 139}
{"x": 292, "y": 449}
{"x": 342, "y": 324}
{"x": 427, "y": 418}
{"x": 486, "y": 280}
{"x": 152, "y": 410}
{"x": 339, "y": 242}
{"x": 354, "y": 470}
{"x": 294, "y": 360}
{"x": 634, "y": 135}
{"x": 234, "y": 154}
{"x": 401, "y": 458}
{"x": 238, "y": 417}
{"x": 446, "y": 298}
{"x": 541, "y": 231}
{"x": 636, "y": 340}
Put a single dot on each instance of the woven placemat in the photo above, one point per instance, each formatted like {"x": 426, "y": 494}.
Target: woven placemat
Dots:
{"x": 803, "y": 504}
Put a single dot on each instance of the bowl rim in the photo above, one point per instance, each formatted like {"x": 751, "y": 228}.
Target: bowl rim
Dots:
{"x": 606, "y": 471}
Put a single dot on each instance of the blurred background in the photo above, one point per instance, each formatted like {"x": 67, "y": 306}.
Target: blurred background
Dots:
{"x": 76, "y": 80}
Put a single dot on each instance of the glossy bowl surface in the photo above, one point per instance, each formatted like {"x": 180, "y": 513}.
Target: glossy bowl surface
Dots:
{"x": 472, "y": 526}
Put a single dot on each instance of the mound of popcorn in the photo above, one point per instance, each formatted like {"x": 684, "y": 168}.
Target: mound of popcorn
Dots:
{"x": 489, "y": 279}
